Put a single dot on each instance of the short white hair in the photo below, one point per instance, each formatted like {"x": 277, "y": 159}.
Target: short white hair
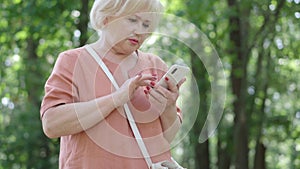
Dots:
{"x": 104, "y": 8}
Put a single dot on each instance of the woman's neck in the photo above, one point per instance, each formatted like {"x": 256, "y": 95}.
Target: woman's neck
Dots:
{"x": 107, "y": 52}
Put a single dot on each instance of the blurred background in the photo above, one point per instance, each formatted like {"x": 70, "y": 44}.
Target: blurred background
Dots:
{"x": 258, "y": 42}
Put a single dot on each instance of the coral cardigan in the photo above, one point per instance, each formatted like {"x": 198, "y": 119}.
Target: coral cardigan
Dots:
{"x": 76, "y": 77}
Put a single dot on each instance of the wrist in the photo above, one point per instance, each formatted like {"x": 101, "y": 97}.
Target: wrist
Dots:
{"x": 170, "y": 112}
{"x": 171, "y": 108}
{"x": 119, "y": 98}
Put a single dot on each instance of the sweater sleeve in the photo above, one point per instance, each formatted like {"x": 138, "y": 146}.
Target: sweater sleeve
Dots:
{"x": 60, "y": 88}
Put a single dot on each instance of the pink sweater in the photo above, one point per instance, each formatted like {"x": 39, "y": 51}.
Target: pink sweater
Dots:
{"x": 110, "y": 144}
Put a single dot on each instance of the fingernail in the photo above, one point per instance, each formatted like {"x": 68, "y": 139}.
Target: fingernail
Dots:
{"x": 166, "y": 78}
{"x": 152, "y": 83}
{"x": 146, "y": 92}
{"x": 148, "y": 88}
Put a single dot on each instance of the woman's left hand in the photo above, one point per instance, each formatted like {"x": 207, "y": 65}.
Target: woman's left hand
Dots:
{"x": 164, "y": 101}
{"x": 165, "y": 97}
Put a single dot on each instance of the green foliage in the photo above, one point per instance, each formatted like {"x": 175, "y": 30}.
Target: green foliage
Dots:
{"x": 34, "y": 32}
{"x": 273, "y": 33}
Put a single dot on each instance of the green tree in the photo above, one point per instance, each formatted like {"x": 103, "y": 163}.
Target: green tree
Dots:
{"x": 35, "y": 32}
{"x": 251, "y": 37}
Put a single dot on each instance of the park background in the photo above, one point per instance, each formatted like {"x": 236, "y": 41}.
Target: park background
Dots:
{"x": 258, "y": 42}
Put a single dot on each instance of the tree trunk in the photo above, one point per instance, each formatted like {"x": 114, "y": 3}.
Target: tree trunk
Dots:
{"x": 34, "y": 86}
{"x": 202, "y": 155}
{"x": 201, "y": 149}
{"x": 224, "y": 159}
{"x": 83, "y": 23}
{"x": 260, "y": 156}
{"x": 261, "y": 84}
{"x": 32, "y": 76}
{"x": 260, "y": 149}
{"x": 238, "y": 37}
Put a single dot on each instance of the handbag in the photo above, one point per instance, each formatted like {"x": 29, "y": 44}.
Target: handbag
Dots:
{"x": 159, "y": 165}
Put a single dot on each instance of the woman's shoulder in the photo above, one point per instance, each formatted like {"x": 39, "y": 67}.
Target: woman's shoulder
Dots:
{"x": 68, "y": 58}
{"x": 71, "y": 53}
{"x": 151, "y": 57}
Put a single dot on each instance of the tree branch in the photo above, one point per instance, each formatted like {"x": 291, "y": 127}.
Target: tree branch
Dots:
{"x": 265, "y": 27}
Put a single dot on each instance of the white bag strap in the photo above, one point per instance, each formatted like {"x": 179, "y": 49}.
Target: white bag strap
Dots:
{"x": 133, "y": 126}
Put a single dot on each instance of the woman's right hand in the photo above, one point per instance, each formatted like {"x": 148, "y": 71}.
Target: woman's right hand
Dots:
{"x": 126, "y": 91}
{"x": 72, "y": 118}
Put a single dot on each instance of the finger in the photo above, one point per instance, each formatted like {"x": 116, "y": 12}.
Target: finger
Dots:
{"x": 157, "y": 95}
{"x": 171, "y": 96}
{"x": 157, "y": 102}
{"x": 149, "y": 77}
{"x": 138, "y": 77}
{"x": 171, "y": 86}
{"x": 147, "y": 93}
{"x": 161, "y": 90}
{"x": 143, "y": 80}
{"x": 181, "y": 82}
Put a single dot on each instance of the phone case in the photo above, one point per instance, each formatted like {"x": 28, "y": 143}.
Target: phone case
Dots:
{"x": 174, "y": 74}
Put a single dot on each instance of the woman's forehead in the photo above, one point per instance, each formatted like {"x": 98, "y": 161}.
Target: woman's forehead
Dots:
{"x": 145, "y": 16}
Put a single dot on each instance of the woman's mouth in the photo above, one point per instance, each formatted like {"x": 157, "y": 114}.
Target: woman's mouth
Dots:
{"x": 134, "y": 41}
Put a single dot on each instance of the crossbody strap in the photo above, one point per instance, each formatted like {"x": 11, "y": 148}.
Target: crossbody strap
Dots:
{"x": 132, "y": 123}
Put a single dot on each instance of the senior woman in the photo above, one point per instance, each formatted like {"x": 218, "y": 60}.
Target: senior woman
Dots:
{"x": 82, "y": 107}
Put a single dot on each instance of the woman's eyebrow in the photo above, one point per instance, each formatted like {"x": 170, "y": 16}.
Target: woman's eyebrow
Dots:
{"x": 147, "y": 20}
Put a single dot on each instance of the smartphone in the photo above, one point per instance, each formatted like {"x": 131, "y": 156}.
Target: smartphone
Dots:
{"x": 174, "y": 74}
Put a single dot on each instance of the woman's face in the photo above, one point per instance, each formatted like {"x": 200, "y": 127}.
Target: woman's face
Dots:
{"x": 127, "y": 33}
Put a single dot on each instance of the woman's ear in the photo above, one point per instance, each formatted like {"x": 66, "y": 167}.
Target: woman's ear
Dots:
{"x": 105, "y": 21}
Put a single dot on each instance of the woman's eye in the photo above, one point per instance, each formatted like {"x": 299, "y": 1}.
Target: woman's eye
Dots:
{"x": 146, "y": 25}
{"x": 132, "y": 20}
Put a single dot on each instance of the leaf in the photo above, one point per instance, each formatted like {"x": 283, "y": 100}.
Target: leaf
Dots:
{"x": 21, "y": 35}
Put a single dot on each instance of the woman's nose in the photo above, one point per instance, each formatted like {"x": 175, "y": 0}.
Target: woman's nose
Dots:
{"x": 140, "y": 29}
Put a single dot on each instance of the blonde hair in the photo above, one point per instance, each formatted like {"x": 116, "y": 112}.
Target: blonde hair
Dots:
{"x": 104, "y": 8}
